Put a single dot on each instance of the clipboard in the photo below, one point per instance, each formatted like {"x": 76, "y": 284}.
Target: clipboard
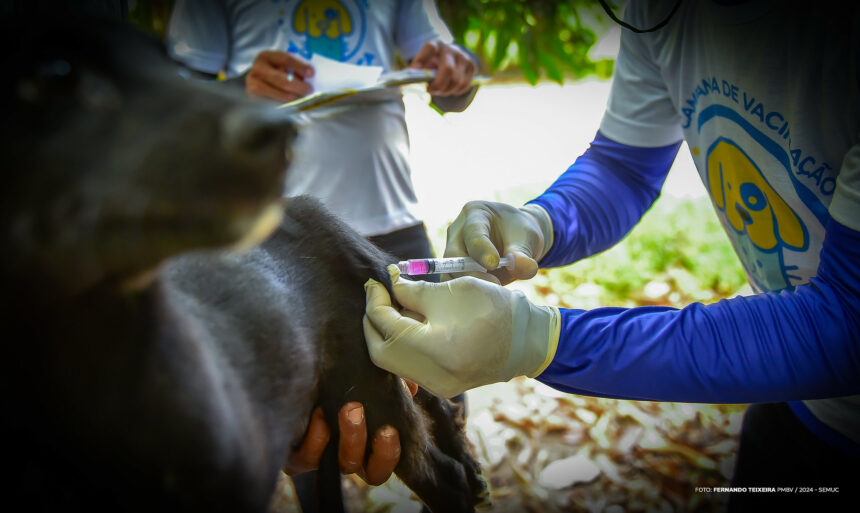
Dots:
{"x": 385, "y": 89}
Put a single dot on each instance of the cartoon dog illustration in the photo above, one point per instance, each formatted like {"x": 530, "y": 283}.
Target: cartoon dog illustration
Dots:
{"x": 325, "y": 22}
{"x": 763, "y": 224}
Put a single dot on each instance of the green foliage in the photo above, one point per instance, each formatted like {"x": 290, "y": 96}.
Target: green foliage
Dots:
{"x": 532, "y": 39}
{"x": 540, "y": 38}
{"x": 150, "y": 15}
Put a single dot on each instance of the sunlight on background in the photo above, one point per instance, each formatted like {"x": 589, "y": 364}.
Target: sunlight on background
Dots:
{"x": 510, "y": 145}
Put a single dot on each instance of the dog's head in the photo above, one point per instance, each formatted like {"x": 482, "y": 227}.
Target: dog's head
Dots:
{"x": 115, "y": 161}
{"x": 750, "y": 203}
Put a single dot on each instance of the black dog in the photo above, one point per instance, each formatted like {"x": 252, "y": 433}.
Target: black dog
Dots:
{"x": 145, "y": 367}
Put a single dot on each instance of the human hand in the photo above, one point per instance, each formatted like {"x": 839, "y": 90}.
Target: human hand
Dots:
{"x": 454, "y": 67}
{"x": 279, "y": 76}
{"x": 457, "y": 335}
{"x": 385, "y": 448}
{"x": 484, "y": 230}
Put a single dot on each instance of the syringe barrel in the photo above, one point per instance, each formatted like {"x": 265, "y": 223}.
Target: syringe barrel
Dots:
{"x": 439, "y": 266}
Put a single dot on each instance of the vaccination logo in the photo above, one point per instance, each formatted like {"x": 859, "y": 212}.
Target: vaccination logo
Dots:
{"x": 331, "y": 28}
{"x": 771, "y": 195}
{"x": 762, "y": 225}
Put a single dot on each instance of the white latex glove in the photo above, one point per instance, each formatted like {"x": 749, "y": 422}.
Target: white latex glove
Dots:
{"x": 471, "y": 333}
{"x": 484, "y": 230}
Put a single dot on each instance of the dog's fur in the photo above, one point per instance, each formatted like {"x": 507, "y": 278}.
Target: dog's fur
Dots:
{"x": 146, "y": 368}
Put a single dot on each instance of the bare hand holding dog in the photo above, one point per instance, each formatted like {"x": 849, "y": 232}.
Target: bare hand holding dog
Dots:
{"x": 375, "y": 469}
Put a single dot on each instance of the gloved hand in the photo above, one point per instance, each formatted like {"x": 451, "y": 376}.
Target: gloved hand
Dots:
{"x": 459, "y": 334}
{"x": 484, "y": 230}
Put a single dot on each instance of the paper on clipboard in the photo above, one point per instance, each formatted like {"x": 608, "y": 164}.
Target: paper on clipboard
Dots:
{"x": 340, "y": 82}
{"x": 331, "y": 75}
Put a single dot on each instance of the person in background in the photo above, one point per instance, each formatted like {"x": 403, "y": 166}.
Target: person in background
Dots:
{"x": 767, "y": 96}
{"x": 356, "y": 160}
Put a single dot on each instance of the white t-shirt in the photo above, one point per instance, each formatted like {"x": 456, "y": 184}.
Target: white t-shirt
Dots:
{"x": 356, "y": 162}
{"x": 768, "y": 103}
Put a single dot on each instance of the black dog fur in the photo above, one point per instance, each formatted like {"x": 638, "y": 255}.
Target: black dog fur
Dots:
{"x": 146, "y": 367}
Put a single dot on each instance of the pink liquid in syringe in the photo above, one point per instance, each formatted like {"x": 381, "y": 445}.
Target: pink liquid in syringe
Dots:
{"x": 418, "y": 267}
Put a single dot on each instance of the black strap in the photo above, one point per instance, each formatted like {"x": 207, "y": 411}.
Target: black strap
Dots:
{"x": 631, "y": 27}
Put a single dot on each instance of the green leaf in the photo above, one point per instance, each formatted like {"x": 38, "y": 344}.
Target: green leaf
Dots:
{"x": 500, "y": 52}
{"x": 526, "y": 55}
{"x": 539, "y": 37}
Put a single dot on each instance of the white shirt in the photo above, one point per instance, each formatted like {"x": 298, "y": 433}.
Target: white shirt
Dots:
{"x": 356, "y": 162}
{"x": 768, "y": 103}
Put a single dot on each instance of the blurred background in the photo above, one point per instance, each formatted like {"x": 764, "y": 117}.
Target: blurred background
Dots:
{"x": 550, "y": 64}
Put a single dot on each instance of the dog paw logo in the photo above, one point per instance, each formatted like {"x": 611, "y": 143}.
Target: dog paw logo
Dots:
{"x": 325, "y": 23}
{"x": 763, "y": 225}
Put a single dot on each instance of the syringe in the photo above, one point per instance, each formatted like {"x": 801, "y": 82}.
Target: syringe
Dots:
{"x": 448, "y": 265}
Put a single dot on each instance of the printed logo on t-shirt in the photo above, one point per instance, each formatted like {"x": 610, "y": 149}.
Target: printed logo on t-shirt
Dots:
{"x": 331, "y": 28}
{"x": 772, "y": 195}
{"x": 762, "y": 224}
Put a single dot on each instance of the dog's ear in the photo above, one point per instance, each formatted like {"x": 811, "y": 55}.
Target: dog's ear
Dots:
{"x": 725, "y": 163}
{"x": 788, "y": 227}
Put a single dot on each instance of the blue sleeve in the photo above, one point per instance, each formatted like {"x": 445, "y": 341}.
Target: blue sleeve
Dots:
{"x": 599, "y": 199}
{"x": 791, "y": 345}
